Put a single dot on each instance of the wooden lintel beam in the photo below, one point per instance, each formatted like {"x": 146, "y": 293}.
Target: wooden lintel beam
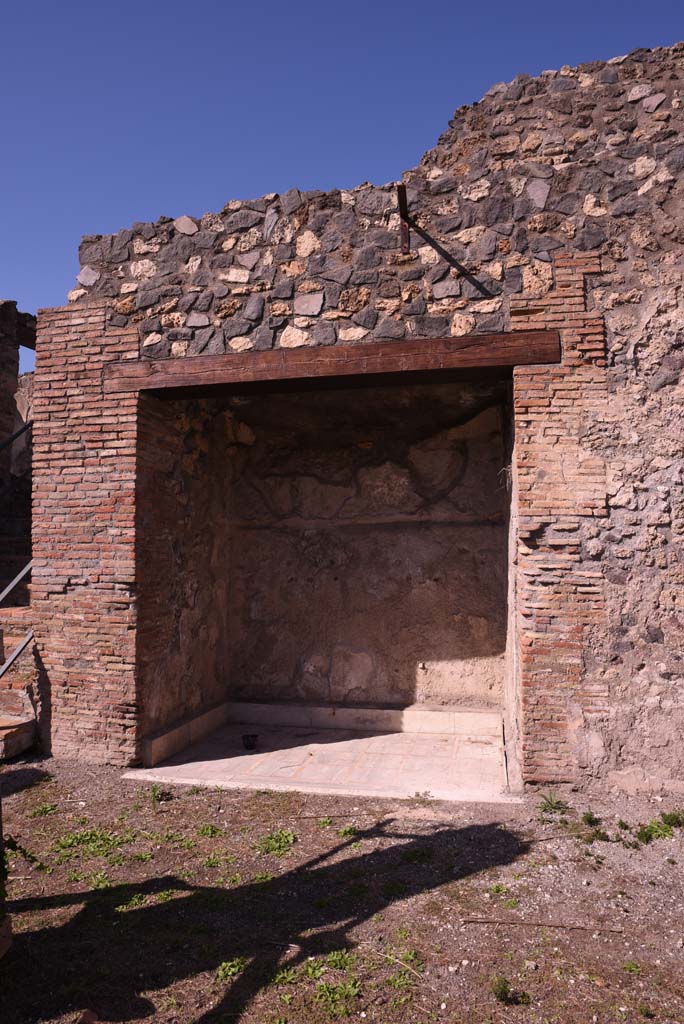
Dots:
{"x": 516, "y": 348}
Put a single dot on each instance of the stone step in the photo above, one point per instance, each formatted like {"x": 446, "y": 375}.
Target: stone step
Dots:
{"x": 416, "y": 718}
{"x": 16, "y": 735}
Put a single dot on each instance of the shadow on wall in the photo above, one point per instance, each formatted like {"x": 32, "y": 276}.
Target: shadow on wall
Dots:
{"x": 94, "y": 959}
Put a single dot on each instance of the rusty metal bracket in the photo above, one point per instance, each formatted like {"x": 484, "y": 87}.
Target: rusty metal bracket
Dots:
{"x": 407, "y": 222}
{"x": 404, "y": 218}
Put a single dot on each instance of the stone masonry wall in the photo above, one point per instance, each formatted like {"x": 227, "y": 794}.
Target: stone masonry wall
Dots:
{"x": 586, "y": 160}
{"x": 183, "y": 559}
{"x": 369, "y": 537}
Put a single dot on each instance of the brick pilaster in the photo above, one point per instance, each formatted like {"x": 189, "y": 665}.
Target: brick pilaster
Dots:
{"x": 560, "y": 483}
{"x": 83, "y": 591}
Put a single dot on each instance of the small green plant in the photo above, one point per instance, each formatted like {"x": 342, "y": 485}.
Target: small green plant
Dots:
{"x": 263, "y": 876}
{"x": 646, "y": 1012}
{"x": 90, "y": 842}
{"x": 631, "y": 967}
{"x": 498, "y": 889}
{"x": 401, "y": 980}
{"x": 622, "y": 825}
{"x": 211, "y": 831}
{"x": 74, "y": 876}
{"x": 653, "y": 830}
{"x": 143, "y": 856}
{"x": 325, "y": 822}
{"x": 591, "y": 819}
{"x": 511, "y": 903}
{"x": 159, "y": 795}
{"x": 338, "y": 998}
{"x": 278, "y": 843}
{"x": 231, "y": 968}
{"x": 42, "y": 810}
{"x": 675, "y": 819}
{"x": 287, "y": 976}
{"x": 313, "y": 969}
{"x": 164, "y": 895}
{"x": 340, "y": 959}
{"x": 99, "y": 880}
{"x": 136, "y": 900}
{"x": 551, "y": 804}
{"x": 346, "y": 832}
{"x": 506, "y": 994}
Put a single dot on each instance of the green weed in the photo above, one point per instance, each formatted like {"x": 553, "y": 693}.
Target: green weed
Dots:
{"x": 278, "y": 843}
{"x": 231, "y": 968}
{"x": 337, "y": 999}
{"x": 504, "y": 993}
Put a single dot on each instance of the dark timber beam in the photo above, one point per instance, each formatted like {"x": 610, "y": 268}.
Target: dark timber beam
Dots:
{"x": 516, "y": 348}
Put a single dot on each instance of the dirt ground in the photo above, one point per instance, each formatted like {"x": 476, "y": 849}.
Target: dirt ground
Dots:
{"x": 198, "y": 906}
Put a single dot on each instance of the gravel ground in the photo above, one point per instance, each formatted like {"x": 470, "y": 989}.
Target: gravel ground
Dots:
{"x": 131, "y": 903}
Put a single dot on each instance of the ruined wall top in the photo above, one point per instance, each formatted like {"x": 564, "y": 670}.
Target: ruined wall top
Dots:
{"x": 586, "y": 158}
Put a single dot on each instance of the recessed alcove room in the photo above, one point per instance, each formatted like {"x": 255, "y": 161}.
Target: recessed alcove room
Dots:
{"x": 331, "y": 547}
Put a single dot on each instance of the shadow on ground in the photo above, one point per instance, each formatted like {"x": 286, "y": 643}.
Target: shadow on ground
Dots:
{"x": 104, "y": 960}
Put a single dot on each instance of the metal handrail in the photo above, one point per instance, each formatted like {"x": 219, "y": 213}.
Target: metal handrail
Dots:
{"x": 17, "y": 579}
{"x": 19, "y": 649}
{"x": 17, "y": 433}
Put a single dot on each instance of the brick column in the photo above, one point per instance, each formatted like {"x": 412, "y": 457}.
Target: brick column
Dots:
{"x": 560, "y": 483}
{"x": 83, "y": 592}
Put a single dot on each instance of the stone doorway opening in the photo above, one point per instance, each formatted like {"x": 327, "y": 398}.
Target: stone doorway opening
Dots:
{"x": 329, "y": 560}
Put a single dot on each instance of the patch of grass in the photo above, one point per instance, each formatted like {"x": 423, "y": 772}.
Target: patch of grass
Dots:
{"x": 159, "y": 795}
{"x": 499, "y": 889}
{"x": 231, "y": 968}
{"x": 90, "y": 842}
{"x": 263, "y": 876}
{"x": 646, "y": 1012}
{"x": 314, "y": 969}
{"x": 340, "y": 959}
{"x": 99, "y": 880}
{"x": 653, "y": 830}
{"x": 337, "y": 999}
{"x": 631, "y": 967}
{"x": 504, "y": 993}
{"x": 623, "y": 826}
{"x": 346, "y": 832}
{"x": 591, "y": 819}
{"x": 401, "y": 980}
{"x": 74, "y": 876}
{"x": 178, "y": 840}
{"x": 551, "y": 804}
{"x": 675, "y": 819}
{"x": 164, "y": 895}
{"x": 42, "y": 810}
{"x": 278, "y": 843}
{"x": 210, "y": 831}
{"x": 512, "y": 903}
{"x": 287, "y": 976}
{"x": 136, "y": 900}
{"x": 143, "y": 856}
{"x": 325, "y": 822}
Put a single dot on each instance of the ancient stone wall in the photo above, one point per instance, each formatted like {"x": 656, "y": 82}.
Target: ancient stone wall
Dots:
{"x": 586, "y": 160}
{"x": 332, "y": 546}
{"x": 369, "y": 530}
{"x": 183, "y": 558}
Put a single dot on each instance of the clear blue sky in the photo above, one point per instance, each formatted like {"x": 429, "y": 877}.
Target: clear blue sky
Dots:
{"x": 112, "y": 113}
